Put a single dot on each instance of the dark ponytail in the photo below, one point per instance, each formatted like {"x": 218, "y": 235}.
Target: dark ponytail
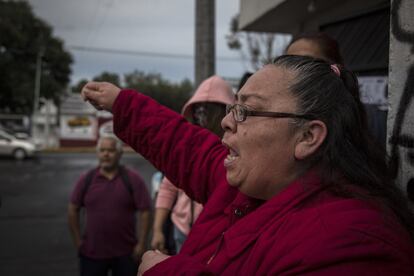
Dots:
{"x": 352, "y": 164}
{"x": 351, "y": 84}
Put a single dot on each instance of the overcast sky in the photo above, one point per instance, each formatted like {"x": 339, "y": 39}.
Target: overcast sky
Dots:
{"x": 160, "y": 26}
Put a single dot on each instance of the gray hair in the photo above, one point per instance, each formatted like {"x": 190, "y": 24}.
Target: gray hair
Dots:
{"x": 118, "y": 143}
{"x": 333, "y": 99}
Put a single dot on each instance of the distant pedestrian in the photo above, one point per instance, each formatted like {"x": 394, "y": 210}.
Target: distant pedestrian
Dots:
{"x": 110, "y": 194}
{"x": 317, "y": 45}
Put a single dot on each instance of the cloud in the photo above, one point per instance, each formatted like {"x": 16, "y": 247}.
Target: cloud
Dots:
{"x": 138, "y": 25}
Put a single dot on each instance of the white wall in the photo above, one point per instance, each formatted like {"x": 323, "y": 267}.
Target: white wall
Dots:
{"x": 401, "y": 91}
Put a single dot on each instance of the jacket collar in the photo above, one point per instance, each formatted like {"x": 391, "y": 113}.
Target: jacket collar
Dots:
{"x": 246, "y": 230}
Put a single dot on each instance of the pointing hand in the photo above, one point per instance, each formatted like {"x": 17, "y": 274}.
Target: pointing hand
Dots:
{"x": 101, "y": 95}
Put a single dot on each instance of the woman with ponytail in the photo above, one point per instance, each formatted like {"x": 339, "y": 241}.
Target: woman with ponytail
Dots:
{"x": 294, "y": 187}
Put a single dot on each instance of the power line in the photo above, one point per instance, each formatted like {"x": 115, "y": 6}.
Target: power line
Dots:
{"x": 142, "y": 53}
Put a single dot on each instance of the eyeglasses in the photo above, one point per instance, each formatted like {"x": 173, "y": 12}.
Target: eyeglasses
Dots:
{"x": 240, "y": 113}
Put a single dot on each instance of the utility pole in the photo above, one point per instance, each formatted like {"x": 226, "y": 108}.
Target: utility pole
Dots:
{"x": 204, "y": 40}
{"x": 37, "y": 80}
{"x": 37, "y": 86}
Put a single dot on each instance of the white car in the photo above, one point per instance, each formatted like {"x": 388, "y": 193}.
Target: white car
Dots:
{"x": 18, "y": 148}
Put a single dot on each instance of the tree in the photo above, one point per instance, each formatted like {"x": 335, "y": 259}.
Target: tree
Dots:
{"x": 104, "y": 76}
{"x": 169, "y": 94}
{"x": 109, "y": 77}
{"x": 23, "y": 37}
{"x": 258, "y": 48}
{"x": 172, "y": 95}
{"x": 77, "y": 88}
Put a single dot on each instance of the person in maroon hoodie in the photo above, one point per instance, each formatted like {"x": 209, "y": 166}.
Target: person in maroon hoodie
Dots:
{"x": 295, "y": 187}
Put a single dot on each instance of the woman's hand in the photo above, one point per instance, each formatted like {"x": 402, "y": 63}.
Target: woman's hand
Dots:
{"x": 101, "y": 95}
{"x": 149, "y": 259}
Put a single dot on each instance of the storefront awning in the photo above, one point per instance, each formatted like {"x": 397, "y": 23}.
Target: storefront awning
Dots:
{"x": 295, "y": 16}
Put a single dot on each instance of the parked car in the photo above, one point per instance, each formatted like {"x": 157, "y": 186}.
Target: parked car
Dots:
{"x": 18, "y": 134}
{"x": 18, "y": 148}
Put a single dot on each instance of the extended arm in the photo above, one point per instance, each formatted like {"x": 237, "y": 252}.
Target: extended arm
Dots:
{"x": 189, "y": 156}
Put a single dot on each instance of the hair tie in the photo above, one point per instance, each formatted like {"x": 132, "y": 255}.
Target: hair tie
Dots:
{"x": 336, "y": 69}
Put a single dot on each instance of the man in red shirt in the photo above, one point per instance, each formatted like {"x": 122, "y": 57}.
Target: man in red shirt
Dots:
{"x": 111, "y": 195}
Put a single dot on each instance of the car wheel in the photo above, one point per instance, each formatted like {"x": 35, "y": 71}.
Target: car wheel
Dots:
{"x": 19, "y": 154}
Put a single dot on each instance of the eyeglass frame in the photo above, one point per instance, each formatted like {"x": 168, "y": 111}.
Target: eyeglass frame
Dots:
{"x": 270, "y": 114}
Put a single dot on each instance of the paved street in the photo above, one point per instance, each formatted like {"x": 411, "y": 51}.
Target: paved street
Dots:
{"x": 34, "y": 237}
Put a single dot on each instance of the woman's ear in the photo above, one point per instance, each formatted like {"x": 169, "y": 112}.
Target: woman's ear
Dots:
{"x": 312, "y": 135}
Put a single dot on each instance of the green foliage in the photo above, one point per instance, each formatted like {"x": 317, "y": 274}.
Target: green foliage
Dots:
{"x": 169, "y": 94}
{"x": 23, "y": 37}
{"x": 109, "y": 77}
{"x": 78, "y": 87}
{"x": 172, "y": 95}
{"x": 104, "y": 76}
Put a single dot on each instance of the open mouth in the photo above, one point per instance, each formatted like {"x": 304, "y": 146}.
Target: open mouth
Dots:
{"x": 231, "y": 157}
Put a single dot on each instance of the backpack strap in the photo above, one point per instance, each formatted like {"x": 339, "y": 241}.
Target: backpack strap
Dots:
{"x": 89, "y": 177}
{"x": 87, "y": 183}
{"x": 125, "y": 179}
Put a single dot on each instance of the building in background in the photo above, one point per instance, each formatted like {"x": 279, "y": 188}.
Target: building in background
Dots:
{"x": 45, "y": 128}
{"x": 81, "y": 124}
{"x": 376, "y": 39}
{"x": 360, "y": 27}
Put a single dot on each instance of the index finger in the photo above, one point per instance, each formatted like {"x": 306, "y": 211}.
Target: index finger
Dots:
{"x": 93, "y": 85}
{"x": 91, "y": 95}
{"x": 89, "y": 86}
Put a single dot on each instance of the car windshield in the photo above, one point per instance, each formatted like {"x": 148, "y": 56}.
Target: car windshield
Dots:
{"x": 9, "y": 132}
{"x": 13, "y": 134}
{"x": 6, "y": 134}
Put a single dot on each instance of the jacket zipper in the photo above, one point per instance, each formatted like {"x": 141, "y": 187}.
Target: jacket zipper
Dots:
{"x": 217, "y": 249}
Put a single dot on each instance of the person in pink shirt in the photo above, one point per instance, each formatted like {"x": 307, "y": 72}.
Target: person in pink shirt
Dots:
{"x": 294, "y": 187}
{"x": 206, "y": 108}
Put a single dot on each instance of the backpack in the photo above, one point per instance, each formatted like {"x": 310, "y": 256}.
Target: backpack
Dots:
{"x": 88, "y": 181}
